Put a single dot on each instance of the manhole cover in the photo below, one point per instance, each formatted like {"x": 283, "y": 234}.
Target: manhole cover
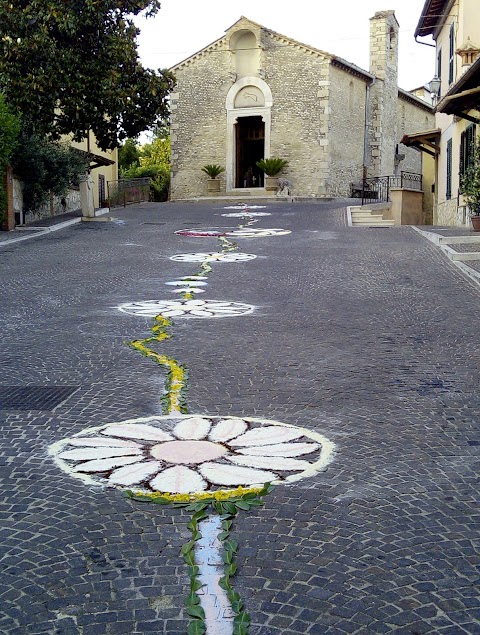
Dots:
{"x": 34, "y": 397}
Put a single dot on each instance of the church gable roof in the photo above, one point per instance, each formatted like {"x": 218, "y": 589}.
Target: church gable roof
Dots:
{"x": 246, "y": 23}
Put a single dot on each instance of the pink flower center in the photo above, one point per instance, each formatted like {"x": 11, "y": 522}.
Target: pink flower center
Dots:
{"x": 187, "y": 451}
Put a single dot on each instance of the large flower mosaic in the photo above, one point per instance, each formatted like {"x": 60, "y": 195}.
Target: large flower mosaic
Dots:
{"x": 186, "y": 308}
{"x": 213, "y": 257}
{"x": 250, "y": 232}
{"x": 200, "y": 233}
{"x": 246, "y": 213}
{"x": 245, "y": 206}
{"x": 193, "y": 453}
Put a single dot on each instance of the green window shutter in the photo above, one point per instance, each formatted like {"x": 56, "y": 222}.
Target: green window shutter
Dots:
{"x": 451, "y": 59}
{"x": 448, "y": 193}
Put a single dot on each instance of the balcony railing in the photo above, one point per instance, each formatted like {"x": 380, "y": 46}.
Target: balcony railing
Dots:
{"x": 377, "y": 189}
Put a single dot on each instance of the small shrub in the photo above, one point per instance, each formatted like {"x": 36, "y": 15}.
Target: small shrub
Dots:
{"x": 272, "y": 166}
{"x": 213, "y": 170}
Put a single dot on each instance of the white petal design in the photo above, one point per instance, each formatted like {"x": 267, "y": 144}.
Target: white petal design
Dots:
{"x": 178, "y": 480}
{"x": 191, "y": 429}
{"x": 134, "y": 474}
{"x": 266, "y": 435}
{"x": 188, "y": 308}
{"x": 98, "y": 442}
{"x": 84, "y": 454}
{"x": 220, "y": 474}
{"x": 280, "y": 449}
{"x": 187, "y": 290}
{"x": 104, "y": 465}
{"x": 137, "y": 431}
{"x": 227, "y": 429}
{"x": 174, "y": 313}
{"x": 270, "y": 462}
{"x": 258, "y": 232}
{"x": 188, "y": 283}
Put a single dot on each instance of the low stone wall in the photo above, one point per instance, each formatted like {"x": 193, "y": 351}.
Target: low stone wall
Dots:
{"x": 53, "y": 207}
{"x": 449, "y": 213}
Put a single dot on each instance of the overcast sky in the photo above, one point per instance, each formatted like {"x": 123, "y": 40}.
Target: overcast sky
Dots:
{"x": 183, "y": 27}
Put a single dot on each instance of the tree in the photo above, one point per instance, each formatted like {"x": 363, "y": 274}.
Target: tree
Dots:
{"x": 470, "y": 182}
{"x": 73, "y": 66}
{"x": 128, "y": 155}
{"x": 9, "y": 131}
{"x": 154, "y": 160}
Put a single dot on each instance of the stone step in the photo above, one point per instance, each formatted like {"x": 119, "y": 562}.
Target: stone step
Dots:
{"x": 367, "y": 215}
{"x": 374, "y": 223}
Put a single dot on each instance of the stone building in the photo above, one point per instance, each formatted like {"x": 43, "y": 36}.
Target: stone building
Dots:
{"x": 255, "y": 93}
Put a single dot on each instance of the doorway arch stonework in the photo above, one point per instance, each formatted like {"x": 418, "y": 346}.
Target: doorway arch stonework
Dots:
{"x": 241, "y": 102}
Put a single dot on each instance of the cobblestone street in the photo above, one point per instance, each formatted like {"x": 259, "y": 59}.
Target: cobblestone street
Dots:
{"x": 365, "y": 336}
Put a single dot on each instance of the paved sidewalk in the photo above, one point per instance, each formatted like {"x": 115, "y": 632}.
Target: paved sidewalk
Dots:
{"x": 366, "y": 336}
{"x": 44, "y": 226}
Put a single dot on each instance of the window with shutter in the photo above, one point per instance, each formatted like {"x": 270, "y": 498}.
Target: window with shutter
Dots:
{"x": 439, "y": 69}
{"x": 448, "y": 193}
{"x": 467, "y": 148}
{"x": 451, "y": 58}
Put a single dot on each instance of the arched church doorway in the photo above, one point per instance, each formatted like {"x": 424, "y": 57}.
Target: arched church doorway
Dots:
{"x": 249, "y": 148}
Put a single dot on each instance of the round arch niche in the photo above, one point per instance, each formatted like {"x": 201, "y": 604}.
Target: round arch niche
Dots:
{"x": 248, "y": 104}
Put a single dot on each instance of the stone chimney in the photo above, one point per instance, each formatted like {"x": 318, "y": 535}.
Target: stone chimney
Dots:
{"x": 384, "y": 93}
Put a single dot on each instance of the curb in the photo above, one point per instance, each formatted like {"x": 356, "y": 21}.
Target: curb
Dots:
{"x": 450, "y": 253}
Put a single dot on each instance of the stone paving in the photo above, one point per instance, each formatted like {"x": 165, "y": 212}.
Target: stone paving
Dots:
{"x": 367, "y": 336}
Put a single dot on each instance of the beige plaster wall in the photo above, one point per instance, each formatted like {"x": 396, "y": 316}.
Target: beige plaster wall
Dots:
{"x": 407, "y": 207}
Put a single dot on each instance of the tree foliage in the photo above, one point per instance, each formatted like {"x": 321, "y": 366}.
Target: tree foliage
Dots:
{"x": 9, "y": 131}
{"x": 73, "y": 66}
{"x": 128, "y": 155}
{"x": 154, "y": 162}
{"x": 46, "y": 167}
{"x": 470, "y": 182}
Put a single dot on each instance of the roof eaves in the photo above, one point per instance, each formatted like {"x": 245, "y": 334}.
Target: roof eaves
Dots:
{"x": 413, "y": 99}
{"x": 427, "y": 24}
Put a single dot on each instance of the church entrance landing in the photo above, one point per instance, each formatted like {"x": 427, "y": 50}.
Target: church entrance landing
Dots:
{"x": 250, "y": 148}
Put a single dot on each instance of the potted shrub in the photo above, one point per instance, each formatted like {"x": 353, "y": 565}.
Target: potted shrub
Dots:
{"x": 212, "y": 170}
{"x": 470, "y": 188}
{"x": 271, "y": 166}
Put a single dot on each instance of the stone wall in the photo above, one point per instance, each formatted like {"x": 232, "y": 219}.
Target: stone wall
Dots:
{"x": 347, "y": 131}
{"x": 411, "y": 118}
{"x": 448, "y": 213}
{"x": 384, "y": 92}
{"x": 198, "y": 122}
{"x": 300, "y": 84}
{"x": 53, "y": 207}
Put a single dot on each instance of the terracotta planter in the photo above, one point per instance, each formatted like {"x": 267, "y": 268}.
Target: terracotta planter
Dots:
{"x": 213, "y": 186}
{"x": 271, "y": 183}
{"x": 475, "y": 223}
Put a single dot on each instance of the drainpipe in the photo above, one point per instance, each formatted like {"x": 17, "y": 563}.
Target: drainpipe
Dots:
{"x": 425, "y": 43}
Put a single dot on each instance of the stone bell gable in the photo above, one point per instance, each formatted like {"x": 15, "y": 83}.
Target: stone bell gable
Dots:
{"x": 255, "y": 93}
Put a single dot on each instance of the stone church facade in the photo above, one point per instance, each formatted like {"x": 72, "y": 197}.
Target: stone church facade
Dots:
{"x": 255, "y": 93}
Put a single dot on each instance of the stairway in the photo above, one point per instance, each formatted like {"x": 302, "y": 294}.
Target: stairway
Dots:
{"x": 370, "y": 215}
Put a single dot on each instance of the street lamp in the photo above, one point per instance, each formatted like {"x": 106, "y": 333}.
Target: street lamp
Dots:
{"x": 434, "y": 88}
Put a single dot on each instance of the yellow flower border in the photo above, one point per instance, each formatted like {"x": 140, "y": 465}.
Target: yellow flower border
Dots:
{"x": 219, "y": 495}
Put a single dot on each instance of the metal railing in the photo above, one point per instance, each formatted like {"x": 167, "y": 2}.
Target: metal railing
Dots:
{"x": 377, "y": 188}
{"x": 128, "y": 192}
{"x": 407, "y": 180}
